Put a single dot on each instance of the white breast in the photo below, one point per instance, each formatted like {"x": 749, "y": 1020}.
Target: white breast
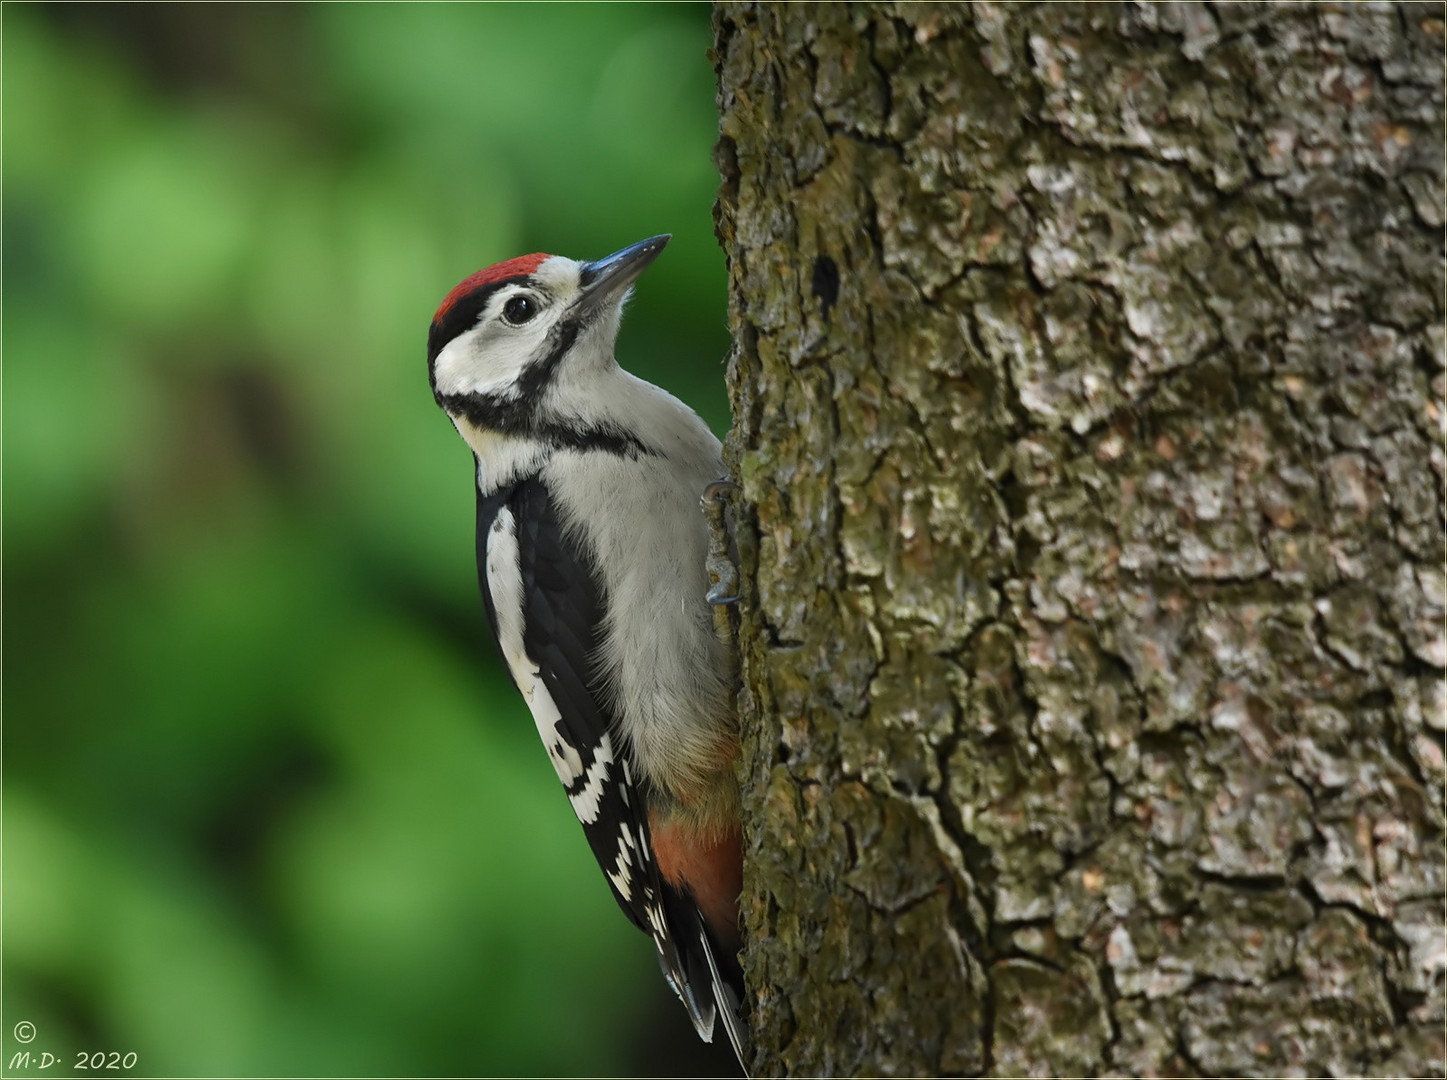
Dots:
{"x": 668, "y": 676}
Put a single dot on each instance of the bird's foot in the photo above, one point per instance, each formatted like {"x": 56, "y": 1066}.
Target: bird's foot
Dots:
{"x": 723, "y": 571}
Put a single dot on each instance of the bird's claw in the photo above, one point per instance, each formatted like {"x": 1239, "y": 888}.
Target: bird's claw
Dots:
{"x": 723, "y": 572}
{"x": 716, "y": 593}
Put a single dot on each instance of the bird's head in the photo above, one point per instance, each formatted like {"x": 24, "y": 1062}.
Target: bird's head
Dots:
{"x": 504, "y": 336}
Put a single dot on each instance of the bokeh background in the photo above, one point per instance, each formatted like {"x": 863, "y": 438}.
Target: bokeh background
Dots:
{"x": 270, "y": 805}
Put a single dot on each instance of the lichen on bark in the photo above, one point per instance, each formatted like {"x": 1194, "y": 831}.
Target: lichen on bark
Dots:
{"x": 1088, "y": 412}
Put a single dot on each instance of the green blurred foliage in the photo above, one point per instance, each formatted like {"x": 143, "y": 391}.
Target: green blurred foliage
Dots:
{"x": 271, "y": 806}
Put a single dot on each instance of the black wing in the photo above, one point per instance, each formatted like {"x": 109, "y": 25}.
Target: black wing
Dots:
{"x": 551, "y": 657}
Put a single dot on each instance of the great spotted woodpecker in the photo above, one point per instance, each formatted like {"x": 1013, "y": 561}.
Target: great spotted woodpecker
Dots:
{"x": 591, "y": 550}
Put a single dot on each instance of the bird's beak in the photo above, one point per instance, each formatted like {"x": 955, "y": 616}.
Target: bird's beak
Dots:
{"x": 608, "y": 279}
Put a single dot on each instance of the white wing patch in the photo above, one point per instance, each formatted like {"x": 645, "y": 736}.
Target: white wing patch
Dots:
{"x": 505, "y": 583}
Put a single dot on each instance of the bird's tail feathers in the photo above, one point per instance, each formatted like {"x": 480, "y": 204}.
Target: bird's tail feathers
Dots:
{"x": 726, "y": 997}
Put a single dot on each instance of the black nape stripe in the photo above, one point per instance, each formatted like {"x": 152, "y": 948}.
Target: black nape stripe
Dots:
{"x": 609, "y": 438}
{"x": 511, "y": 416}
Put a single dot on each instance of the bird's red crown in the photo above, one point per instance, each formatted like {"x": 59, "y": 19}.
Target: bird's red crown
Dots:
{"x": 523, "y": 264}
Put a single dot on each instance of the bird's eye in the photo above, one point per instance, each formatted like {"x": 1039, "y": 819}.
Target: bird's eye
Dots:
{"x": 519, "y": 309}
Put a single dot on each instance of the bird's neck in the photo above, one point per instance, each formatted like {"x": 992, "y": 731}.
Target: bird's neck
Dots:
{"x": 502, "y": 459}
{"x": 585, "y": 408}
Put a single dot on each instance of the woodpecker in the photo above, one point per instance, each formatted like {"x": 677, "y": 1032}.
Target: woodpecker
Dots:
{"x": 591, "y": 550}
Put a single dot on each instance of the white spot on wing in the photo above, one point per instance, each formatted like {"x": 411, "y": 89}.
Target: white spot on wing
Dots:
{"x": 655, "y": 919}
{"x": 566, "y": 761}
{"x": 586, "y": 802}
{"x": 622, "y": 873}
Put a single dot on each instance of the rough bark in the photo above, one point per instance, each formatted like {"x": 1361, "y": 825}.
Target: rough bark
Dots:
{"x": 1087, "y": 399}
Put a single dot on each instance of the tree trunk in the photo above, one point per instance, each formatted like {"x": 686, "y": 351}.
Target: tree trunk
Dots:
{"x": 1087, "y": 400}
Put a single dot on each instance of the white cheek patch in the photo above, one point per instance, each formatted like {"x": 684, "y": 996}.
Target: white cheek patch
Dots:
{"x": 485, "y": 361}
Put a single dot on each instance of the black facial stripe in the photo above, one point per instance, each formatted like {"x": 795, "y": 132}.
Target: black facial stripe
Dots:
{"x": 538, "y": 373}
{"x": 511, "y": 416}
